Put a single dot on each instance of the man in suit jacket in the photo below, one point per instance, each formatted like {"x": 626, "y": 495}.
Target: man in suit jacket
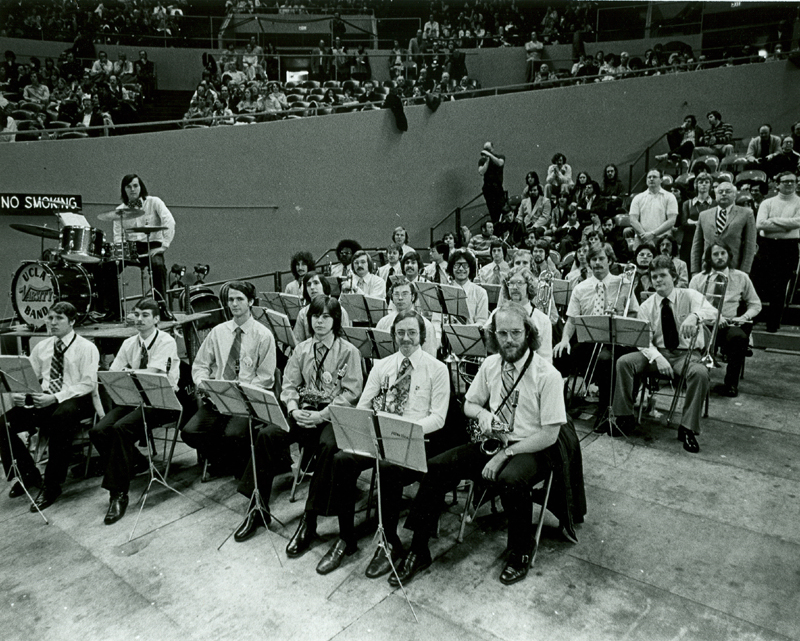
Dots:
{"x": 727, "y": 223}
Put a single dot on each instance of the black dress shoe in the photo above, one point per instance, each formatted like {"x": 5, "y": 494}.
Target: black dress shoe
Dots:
{"x": 45, "y": 499}
{"x": 117, "y": 505}
{"x": 380, "y": 562}
{"x": 250, "y": 525}
{"x": 301, "y": 540}
{"x": 16, "y": 490}
{"x": 721, "y": 389}
{"x": 333, "y": 557}
{"x": 690, "y": 443}
{"x": 516, "y": 569}
{"x": 412, "y": 565}
{"x": 600, "y": 424}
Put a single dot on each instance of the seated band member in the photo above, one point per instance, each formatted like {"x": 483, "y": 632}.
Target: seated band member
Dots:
{"x": 436, "y": 271}
{"x": 462, "y": 268}
{"x": 404, "y": 296}
{"x": 362, "y": 280}
{"x": 542, "y": 440}
{"x": 734, "y": 328}
{"x": 417, "y": 388}
{"x": 595, "y": 296}
{"x": 243, "y": 350}
{"x": 494, "y": 272}
{"x": 66, "y": 364}
{"x": 392, "y": 267}
{"x": 413, "y": 267}
{"x": 116, "y": 434}
{"x": 322, "y": 370}
{"x": 314, "y": 284}
{"x": 302, "y": 263}
{"x": 675, "y": 316}
{"x": 523, "y": 258}
{"x": 344, "y": 254}
{"x": 520, "y": 286}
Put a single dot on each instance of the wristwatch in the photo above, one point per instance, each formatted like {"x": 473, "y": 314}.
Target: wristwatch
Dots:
{"x": 508, "y": 452}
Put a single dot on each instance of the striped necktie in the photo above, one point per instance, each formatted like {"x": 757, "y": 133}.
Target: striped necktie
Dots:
{"x": 144, "y": 356}
{"x": 504, "y": 413}
{"x": 232, "y": 365}
{"x": 57, "y": 366}
{"x": 722, "y": 218}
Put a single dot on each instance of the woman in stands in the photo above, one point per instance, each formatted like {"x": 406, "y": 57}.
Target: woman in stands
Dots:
{"x": 249, "y": 103}
{"x": 582, "y": 180}
{"x": 329, "y": 99}
{"x": 612, "y": 190}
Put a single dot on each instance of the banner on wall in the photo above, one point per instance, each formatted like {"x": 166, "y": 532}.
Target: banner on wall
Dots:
{"x": 38, "y": 204}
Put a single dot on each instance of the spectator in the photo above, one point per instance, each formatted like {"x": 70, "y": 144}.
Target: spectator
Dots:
{"x": 508, "y": 230}
{"x": 718, "y": 139}
{"x": 559, "y": 176}
{"x": 682, "y": 141}
{"x": 360, "y": 68}
{"x": 654, "y": 211}
{"x": 668, "y": 247}
{"x": 430, "y": 30}
{"x": 760, "y": 148}
{"x": 102, "y": 68}
{"x": 541, "y": 259}
{"x": 90, "y": 116}
{"x": 796, "y": 135}
{"x": 231, "y": 75}
{"x": 400, "y": 237}
{"x": 276, "y": 100}
{"x": 535, "y": 209}
{"x": 591, "y": 206}
{"x": 414, "y": 55}
{"x": 779, "y": 221}
{"x": 50, "y": 74}
{"x": 533, "y": 55}
{"x": 623, "y": 69}
{"x": 249, "y": 57}
{"x": 480, "y": 245}
{"x": 786, "y": 159}
{"x": 320, "y": 62}
{"x": 146, "y": 76}
{"x": 613, "y": 191}
{"x": 490, "y": 166}
{"x": 221, "y": 115}
{"x": 545, "y": 77}
{"x": 9, "y": 130}
{"x": 71, "y": 69}
{"x": 36, "y": 91}
{"x": 690, "y": 214}
{"x": 123, "y": 69}
{"x": 249, "y": 102}
{"x": 340, "y": 60}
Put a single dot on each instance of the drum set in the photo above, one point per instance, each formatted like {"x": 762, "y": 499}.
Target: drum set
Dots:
{"x": 73, "y": 270}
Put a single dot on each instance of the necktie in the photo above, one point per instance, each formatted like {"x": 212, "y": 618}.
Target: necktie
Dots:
{"x": 504, "y": 413}
{"x": 668, "y": 327}
{"x": 57, "y": 367}
{"x": 361, "y": 284}
{"x": 144, "y": 357}
{"x": 496, "y": 275}
{"x": 391, "y": 272}
{"x": 722, "y": 217}
{"x": 320, "y": 352}
{"x": 232, "y": 364}
{"x": 396, "y": 403}
{"x": 599, "y": 306}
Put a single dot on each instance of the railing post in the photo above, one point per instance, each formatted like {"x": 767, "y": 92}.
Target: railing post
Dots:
{"x": 630, "y": 178}
{"x": 277, "y": 282}
{"x": 458, "y": 221}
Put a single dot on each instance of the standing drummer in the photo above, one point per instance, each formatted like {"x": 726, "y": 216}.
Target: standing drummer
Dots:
{"x": 133, "y": 193}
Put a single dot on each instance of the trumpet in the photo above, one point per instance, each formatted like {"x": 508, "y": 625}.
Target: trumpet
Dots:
{"x": 544, "y": 294}
{"x": 491, "y": 443}
{"x": 720, "y": 282}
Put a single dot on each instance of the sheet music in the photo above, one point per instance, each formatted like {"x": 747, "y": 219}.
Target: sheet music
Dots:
{"x": 287, "y": 304}
{"x": 158, "y": 390}
{"x": 403, "y": 442}
{"x": 121, "y": 388}
{"x": 20, "y": 375}
{"x": 265, "y": 404}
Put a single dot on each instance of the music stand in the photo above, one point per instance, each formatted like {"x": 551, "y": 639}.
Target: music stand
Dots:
{"x": 334, "y": 282}
{"x": 17, "y": 377}
{"x": 281, "y": 327}
{"x": 371, "y": 343}
{"x": 387, "y": 438}
{"x": 287, "y": 304}
{"x": 464, "y": 340}
{"x": 147, "y": 390}
{"x": 443, "y": 299}
{"x": 561, "y": 291}
{"x": 363, "y": 309}
{"x": 493, "y": 292}
{"x": 233, "y": 398}
{"x": 613, "y": 330}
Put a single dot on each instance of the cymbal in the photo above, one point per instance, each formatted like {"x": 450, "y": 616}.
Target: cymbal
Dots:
{"x": 120, "y": 214}
{"x": 36, "y": 230}
{"x": 145, "y": 229}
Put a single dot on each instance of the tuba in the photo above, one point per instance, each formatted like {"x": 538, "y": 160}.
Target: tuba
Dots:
{"x": 544, "y": 295}
{"x": 491, "y": 443}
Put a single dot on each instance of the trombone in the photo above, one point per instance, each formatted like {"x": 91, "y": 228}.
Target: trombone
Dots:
{"x": 717, "y": 299}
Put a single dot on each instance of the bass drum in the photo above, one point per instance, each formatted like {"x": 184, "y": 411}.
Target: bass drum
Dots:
{"x": 38, "y": 285}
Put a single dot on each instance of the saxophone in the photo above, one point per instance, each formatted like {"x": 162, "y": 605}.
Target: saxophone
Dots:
{"x": 491, "y": 443}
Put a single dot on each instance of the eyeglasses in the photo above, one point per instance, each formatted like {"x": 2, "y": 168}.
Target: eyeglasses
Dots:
{"x": 787, "y": 182}
{"x": 461, "y": 266}
{"x": 411, "y": 333}
{"x": 516, "y": 283}
{"x": 516, "y": 334}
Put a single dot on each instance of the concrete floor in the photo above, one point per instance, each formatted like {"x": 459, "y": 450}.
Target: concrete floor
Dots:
{"x": 675, "y": 546}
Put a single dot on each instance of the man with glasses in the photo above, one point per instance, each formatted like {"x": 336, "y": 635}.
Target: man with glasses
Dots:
{"x": 362, "y": 280}
{"x": 779, "y": 220}
{"x": 404, "y": 296}
{"x": 729, "y": 224}
{"x": 541, "y": 440}
{"x": 463, "y": 268}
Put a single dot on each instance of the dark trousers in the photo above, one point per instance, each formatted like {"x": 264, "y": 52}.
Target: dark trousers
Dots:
{"x": 778, "y": 261}
{"x": 495, "y": 199}
{"x": 577, "y": 363}
{"x": 115, "y": 438}
{"x": 272, "y": 457}
{"x": 520, "y": 473}
{"x": 222, "y": 440}
{"x": 733, "y": 341}
{"x": 59, "y": 422}
{"x": 107, "y": 278}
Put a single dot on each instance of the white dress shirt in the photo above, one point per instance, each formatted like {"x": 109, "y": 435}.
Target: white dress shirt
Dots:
{"x": 256, "y": 355}
{"x": 477, "y": 302}
{"x": 155, "y": 214}
{"x": 429, "y": 391}
{"x": 383, "y": 271}
{"x": 81, "y": 360}
{"x": 295, "y": 288}
{"x": 369, "y": 285}
{"x": 541, "y": 394}
{"x": 162, "y": 355}
{"x": 431, "y": 343}
{"x": 581, "y": 302}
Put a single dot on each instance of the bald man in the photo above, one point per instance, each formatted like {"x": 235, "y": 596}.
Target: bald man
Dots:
{"x": 734, "y": 226}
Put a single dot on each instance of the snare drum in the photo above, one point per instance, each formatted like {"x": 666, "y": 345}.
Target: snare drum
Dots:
{"x": 82, "y": 244}
{"x": 124, "y": 251}
{"x": 37, "y": 286}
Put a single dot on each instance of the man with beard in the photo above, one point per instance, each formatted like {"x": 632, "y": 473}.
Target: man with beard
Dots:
{"x": 541, "y": 260}
{"x": 542, "y": 440}
{"x": 734, "y": 328}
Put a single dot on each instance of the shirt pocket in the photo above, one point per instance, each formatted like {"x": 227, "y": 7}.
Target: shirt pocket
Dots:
{"x": 419, "y": 399}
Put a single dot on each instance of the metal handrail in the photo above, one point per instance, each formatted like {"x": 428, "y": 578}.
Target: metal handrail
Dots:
{"x": 457, "y": 212}
{"x": 646, "y": 154}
